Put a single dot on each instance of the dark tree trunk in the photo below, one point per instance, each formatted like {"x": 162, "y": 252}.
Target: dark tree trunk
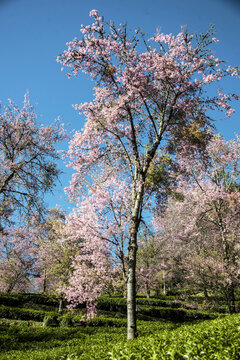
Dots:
{"x": 231, "y": 300}
{"x": 148, "y": 291}
{"x": 132, "y": 259}
{"x": 44, "y": 281}
{"x": 60, "y": 307}
{"x": 205, "y": 293}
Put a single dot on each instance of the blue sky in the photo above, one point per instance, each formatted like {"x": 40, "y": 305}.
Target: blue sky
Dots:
{"x": 34, "y": 32}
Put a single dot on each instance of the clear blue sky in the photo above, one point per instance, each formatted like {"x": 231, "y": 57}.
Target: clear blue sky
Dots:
{"x": 34, "y": 32}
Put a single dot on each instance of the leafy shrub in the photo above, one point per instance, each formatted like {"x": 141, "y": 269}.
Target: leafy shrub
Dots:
{"x": 175, "y": 310}
{"x": 50, "y": 320}
{"x": 111, "y": 322}
{"x": 105, "y": 339}
{"x": 22, "y": 314}
{"x": 112, "y": 304}
{"x": 20, "y": 299}
{"x": 208, "y": 340}
{"x": 175, "y": 315}
{"x": 65, "y": 321}
{"x": 159, "y": 302}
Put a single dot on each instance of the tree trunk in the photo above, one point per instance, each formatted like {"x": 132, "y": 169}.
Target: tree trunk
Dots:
{"x": 132, "y": 258}
{"x": 231, "y": 300}
{"x": 131, "y": 292}
{"x": 205, "y": 293}
{"x": 148, "y": 291}
{"x": 60, "y": 307}
{"x": 164, "y": 283}
{"x": 44, "y": 281}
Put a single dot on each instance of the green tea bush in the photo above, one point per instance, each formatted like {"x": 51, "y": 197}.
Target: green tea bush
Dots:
{"x": 217, "y": 339}
{"x": 22, "y": 314}
{"x": 159, "y": 302}
{"x": 110, "y": 322}
{"x": 20, "y": 299}
{"x": 175, "y": 315}
{"x": 65, "y": 321}
{"x": 56, "y": 343}
{"x": 51, "y": 320}
{"x": 112, "y": 304}
{"x": 161, "y": 340}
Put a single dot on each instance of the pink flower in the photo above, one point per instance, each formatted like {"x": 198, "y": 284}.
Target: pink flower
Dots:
{"x": 93, "y": 13}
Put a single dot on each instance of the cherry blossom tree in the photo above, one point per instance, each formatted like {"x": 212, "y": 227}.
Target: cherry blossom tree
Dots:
{"x": 28, "y": 168}
{"x": 106, "y": 212}
{"x": 53, "y": 258}
{"x": 97, "y": 230}
{"x": 202, "y": 230}
{"x": 148, "y": 95}
{"x": 91, "y": 265}
{"x": 17, "y": 260}
{"x": 150, "y": 264}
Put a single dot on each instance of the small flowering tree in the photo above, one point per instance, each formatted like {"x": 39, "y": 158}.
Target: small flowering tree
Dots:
{"x": 97, "y": 230}
{"x": 202, "y": 230}
{"x": 106, "y": 213}
{"x": 53, "y": 257}
{"x": 91, "y": 266}
{"x": 148, "y": 95}
{"x": 17, "y": 260}
{"x": 150, "y": 264}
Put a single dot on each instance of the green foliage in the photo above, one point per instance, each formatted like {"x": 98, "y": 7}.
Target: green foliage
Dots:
{"x": 212, "y": 339}
{"x": 21, "y": 299}
{"x": 109, "y": 322}
{"x": 217, "y": 339}
{"x": 22, "y": 314}
{"x": 69, "y": 337}
{"x": 120, "y": 304}
{"x": 22, "y": 343}
{"x": 159, "y": 173}
{"x": 158, "y": 302}
{"x": 50, "y": 321}
{"x": 156, "y": 308}
{"x": 176, "y": 315}
{"x": 112, "y": 304}
{"x": 65, "y": 321}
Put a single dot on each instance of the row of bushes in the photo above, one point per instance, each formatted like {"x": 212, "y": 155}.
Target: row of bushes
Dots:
{"x": 217, "y": 339}
{"x": 208, "y": 340}
{"x": 120, "y": 304}
{"x": 69, "y": 321}
{"x": 175, "y": 315}
{"x": 23, "y": 314}
{"x": 156, "y": 309}
{"x": 158, "y": 302}
{"x": 103, "y": 303}
{"x": 20, "y": 299}
{"x": 52, "y": 319}
{"x": 112, "y": 304}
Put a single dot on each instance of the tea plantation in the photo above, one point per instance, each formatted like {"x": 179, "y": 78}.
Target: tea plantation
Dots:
{"x": 31, "y": 329}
